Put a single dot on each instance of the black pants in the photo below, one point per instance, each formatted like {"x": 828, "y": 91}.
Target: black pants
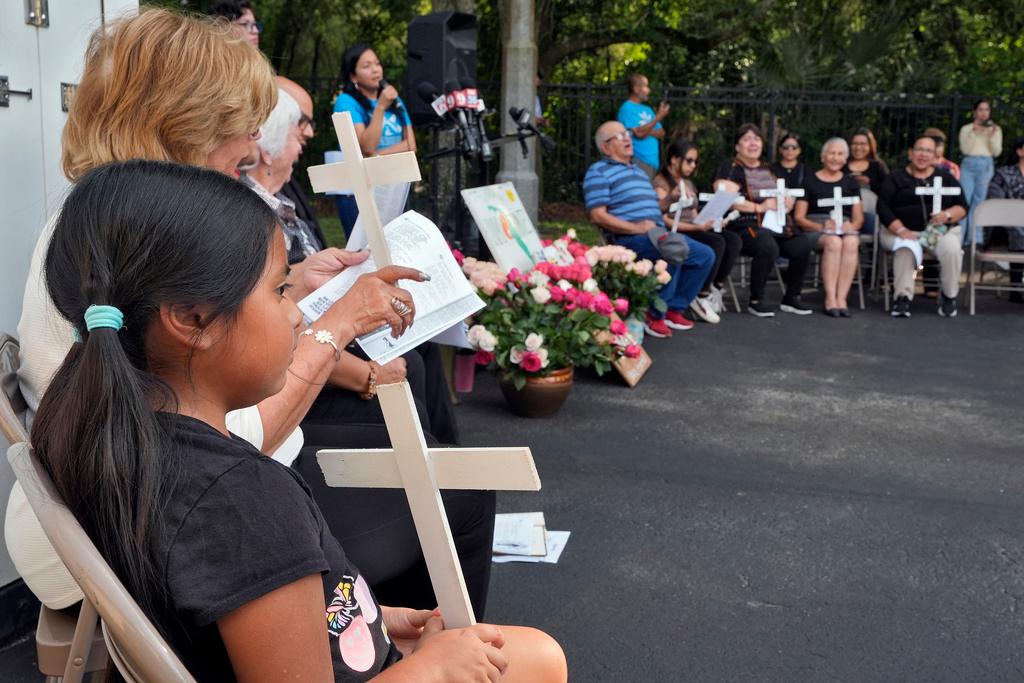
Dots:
{"x": 726, "y": 245}
{"x": 764, "y": 246}
{"x": 376, "y": 530}
{"x": 425, "y": 374}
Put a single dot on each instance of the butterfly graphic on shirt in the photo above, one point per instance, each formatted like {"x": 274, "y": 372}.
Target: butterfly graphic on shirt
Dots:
{"x": 341, "y": 610}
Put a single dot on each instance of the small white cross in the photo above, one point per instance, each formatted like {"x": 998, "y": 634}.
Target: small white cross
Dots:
{"x": 936, "y": 191}
{"x": 684, "y": 202}
{"x": 422, "y": 471}
{"x": 780, "y": 193}
{"x": 361, "y": 175}
{"x": 837, "y": 203}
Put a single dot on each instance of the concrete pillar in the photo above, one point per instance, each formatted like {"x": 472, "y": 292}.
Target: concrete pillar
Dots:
{"x": 518, "y": 66}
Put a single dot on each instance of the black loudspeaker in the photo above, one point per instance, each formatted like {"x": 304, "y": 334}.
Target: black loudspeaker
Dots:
{"x": 441, "y": 50}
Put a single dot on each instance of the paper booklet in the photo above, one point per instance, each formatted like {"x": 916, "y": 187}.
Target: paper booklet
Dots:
{"x": 717, "y": 207}
{"x": 391, "y": 200}
{"x": 441, "y": 304}
{"x": 520, "y": 533}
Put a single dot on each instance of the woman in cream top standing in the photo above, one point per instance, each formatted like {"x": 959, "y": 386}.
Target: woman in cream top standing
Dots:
{"x": 981, "y": 141}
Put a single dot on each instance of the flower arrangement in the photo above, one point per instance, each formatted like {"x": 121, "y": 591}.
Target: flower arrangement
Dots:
{"x": 620, "y": 274}
{"x": 550, "y": 318}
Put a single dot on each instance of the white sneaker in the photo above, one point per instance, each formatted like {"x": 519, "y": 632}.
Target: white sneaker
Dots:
{"x": 716, "y": 299}
{"x": 701, "y": 306}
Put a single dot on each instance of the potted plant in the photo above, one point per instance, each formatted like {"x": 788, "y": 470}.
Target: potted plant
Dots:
{"x": 537, "y": 327}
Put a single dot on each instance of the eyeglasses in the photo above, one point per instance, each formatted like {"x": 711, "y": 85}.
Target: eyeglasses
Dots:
{"x": 250, "y": 26}
{"x": 621, "y": 136}
{"x": 923, "y": 150}
{"x": 689, "y": 160}
{"x": 789, "y": 147}
{"x": 305, "y": 121}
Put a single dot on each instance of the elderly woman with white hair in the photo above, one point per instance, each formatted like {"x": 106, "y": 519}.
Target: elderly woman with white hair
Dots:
{"x": 277, "y": 150}
{"x": 839, "y": 244}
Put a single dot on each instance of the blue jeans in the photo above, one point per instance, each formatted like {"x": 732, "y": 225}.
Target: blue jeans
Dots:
{"x": 975, "y": 174}
{"x": 687, "y": 277}
{"x": 348, "y": 211}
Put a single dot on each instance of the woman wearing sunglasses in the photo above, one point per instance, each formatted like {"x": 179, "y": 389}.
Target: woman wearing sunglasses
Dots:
{"x": 674, "y": 181}
{"x": 789, "y": 167}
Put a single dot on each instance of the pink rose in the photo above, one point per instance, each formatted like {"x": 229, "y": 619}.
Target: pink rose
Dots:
{"x": 531, "y": 362}
{"x": 484, "y": 357}
{"x": 618, "y": 328}
{"x": 557, "y": 294}
{"x": 570, "y": 306}
{"x": 514, "y": 275}
{"x": 602, "y": 305}
{"x": 621, "y": 305}
{"x": 632, "y": 351}
{"x": 584, "y": 299}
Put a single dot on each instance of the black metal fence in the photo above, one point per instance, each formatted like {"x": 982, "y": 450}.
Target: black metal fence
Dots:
{"x": 710, "y": 116}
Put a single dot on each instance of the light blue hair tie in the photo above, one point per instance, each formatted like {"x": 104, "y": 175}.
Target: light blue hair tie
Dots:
{"x": 103, "y": 316}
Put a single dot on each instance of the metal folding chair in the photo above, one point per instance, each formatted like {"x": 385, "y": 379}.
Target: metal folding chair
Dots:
{"x": 990, "y": 213}
{"x": 136, "y": 647}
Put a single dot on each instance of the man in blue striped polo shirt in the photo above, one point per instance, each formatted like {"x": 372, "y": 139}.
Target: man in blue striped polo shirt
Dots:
{"x": 621, "y": 201}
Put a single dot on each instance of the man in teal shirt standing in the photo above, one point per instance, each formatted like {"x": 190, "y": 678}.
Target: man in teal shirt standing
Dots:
{"x": 643, "y": 124}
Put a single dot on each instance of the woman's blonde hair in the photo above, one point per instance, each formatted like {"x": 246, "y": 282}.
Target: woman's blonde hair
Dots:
{"x": 164, "y": 86}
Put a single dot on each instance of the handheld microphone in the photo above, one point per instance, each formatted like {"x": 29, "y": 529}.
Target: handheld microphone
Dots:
{"x": 380, "y": 88}
{"x": 455, "y": 101}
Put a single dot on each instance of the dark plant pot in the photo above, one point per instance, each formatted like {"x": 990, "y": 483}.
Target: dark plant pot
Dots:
{"x": 540, "y": 396}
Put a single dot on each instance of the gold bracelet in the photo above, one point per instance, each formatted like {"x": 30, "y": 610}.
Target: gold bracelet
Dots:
{"x": 371, "y": 382}
{"x": 323, "y": 337}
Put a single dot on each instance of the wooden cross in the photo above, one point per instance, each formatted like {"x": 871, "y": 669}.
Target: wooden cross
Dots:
{"x": 361, "y": 175}
{"x": 684, "y": 202}
{"x": 837, "y": 203}
{"x": 936, "y": 191}
{"x": 780, "y": 193}
{"x": 422, "y": 471}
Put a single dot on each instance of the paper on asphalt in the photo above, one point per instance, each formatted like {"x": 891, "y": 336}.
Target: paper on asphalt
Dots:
{"x": 520, "y": 533}
{"x": 555, "y": 546}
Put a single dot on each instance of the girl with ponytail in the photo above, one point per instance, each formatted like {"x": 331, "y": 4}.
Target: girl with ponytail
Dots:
{"x": 180, "y": 311}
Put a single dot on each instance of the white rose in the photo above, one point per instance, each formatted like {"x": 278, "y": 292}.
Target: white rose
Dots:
{"x": 474, "y": 334}
{"x": 538, "y": 279}
{"x": 534, "y": 341}
{"x": 590, "y": 285}
{"x": 541, "y": 294}
{"x": 516, "y": 355}
{"x": 488, "y": 341}
{"x": 571, "y": 233}
{"x": 543, "y": 355}
{"x": 564, "y": 284}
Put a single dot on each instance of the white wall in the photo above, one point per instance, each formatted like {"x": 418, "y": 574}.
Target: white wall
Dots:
{"x": 31, "y": 181}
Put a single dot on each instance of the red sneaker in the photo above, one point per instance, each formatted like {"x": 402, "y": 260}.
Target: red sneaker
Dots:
{"x": 676, "y": 321}
{"x": 655, "y": 327}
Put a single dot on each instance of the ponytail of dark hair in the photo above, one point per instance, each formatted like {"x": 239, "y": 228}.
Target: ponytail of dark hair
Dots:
{"x": 349, "y": 62}
{"x": 135, "y": 235}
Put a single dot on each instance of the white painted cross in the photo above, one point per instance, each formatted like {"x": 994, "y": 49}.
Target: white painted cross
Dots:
{"x": 684, "y": 202}
{"x": 361, "y": 175}
{"x": 837, "y": 203}
{"x": 936, "y": 191}
{"x": 422, "y": 471}
{"x": 780, "y": 193}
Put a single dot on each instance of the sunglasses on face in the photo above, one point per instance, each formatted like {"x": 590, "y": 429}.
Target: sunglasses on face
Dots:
{"x": 789, "y": 147}
{"x": 689, "y": 160}
{"x": 250, "y": 26}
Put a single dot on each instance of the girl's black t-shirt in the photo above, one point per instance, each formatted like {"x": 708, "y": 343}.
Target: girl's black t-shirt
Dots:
{"x": 238, "y": 525}
{"x": 815, "y": 189}
{"x": 794, "y": 177}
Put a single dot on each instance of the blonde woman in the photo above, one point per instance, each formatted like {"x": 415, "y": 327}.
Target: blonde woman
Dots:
{"x": 839, "y": 244}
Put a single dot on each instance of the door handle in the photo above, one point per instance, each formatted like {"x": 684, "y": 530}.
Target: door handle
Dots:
{"x": 6, "y": 92}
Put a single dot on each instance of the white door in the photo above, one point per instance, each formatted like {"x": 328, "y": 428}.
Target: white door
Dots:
{"x": 40, "y": 59}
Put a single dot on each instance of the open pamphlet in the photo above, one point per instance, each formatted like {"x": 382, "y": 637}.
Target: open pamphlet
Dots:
{"x": 717, "y": 207}
{"x": 441, "y": 303}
